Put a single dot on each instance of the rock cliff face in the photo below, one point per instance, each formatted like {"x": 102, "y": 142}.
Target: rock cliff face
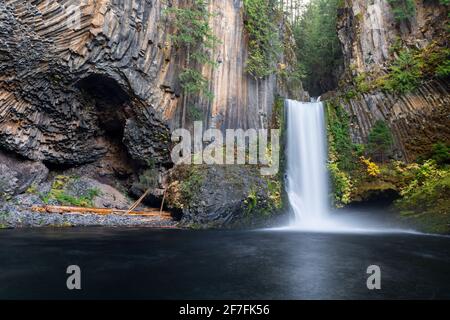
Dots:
{"x": 82, "y": 78}
{"x": 368, "y": 30}
{"x": 76, "y": 79}
{"x": 239, "y": 100}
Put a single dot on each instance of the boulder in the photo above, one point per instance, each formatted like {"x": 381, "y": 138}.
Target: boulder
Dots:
{"x": 17, "y": 175}
{"x": 106, "y": 195}
{"x": 225, "y": 196}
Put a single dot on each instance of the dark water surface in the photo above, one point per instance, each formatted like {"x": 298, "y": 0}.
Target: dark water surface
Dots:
{"x": 180, "y": 264}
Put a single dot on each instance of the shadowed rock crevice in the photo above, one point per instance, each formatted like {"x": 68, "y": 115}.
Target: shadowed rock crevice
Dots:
{"x": 113, "y": 106}
{"x": 110, "y": 102}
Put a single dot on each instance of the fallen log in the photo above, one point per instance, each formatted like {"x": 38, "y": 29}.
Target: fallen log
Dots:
{"x": 138, "y": 202}
{"x": 99, "y": 211}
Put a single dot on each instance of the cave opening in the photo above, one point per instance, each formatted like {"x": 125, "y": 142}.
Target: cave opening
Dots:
{"x": 112, "y": 106}
{"x": 377, "y": 199}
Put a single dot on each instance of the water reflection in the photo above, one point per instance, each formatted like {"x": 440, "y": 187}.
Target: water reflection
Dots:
{"x": 179, "y": 264}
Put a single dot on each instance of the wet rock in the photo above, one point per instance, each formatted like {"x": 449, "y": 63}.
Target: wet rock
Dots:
{"x": 223, "y": 197}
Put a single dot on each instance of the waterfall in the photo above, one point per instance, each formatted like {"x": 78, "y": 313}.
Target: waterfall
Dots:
{"x": 306, "y": 176}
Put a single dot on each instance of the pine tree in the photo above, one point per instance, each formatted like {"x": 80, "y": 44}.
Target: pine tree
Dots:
{"x": 380, "y": 140}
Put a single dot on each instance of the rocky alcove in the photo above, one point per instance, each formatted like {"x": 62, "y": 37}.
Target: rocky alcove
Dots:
{"x": 112, "y": 106}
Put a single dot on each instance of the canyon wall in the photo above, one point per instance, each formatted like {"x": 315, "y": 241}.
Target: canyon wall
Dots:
{"x": 79, "y": 78}
{"x": 368, "y": 30}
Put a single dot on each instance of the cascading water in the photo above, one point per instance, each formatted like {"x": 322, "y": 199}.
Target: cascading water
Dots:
{"x": 307, "y": 177}
{"x": 307, "y": 181}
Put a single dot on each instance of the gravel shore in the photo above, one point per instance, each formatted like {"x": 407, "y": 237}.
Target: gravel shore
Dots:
{"x": 13, "y": 216}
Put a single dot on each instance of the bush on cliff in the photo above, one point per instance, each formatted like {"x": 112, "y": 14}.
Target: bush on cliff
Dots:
{"x": 403, "y": 9}
{"x": 264, "y": 40}
{"x": 405, "y": 73}
{"x": 426, "y": 196}
{"x": 440, "y": 153}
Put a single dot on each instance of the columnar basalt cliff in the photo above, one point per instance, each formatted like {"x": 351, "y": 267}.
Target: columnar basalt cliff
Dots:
{"x": 91, "y": 89}
{"x": 240, "y": 101}
{"x": 369, "y": 33}
{"x": 66, "y": 68}
{"x": 64, "y": 65}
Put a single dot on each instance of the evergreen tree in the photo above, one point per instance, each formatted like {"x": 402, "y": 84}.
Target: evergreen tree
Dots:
{"x": 380, "y": 140}
{"x": 318, "y": 47}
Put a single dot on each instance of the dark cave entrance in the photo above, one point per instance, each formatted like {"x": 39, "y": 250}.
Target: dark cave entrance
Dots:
{"x": 112, "y": 105}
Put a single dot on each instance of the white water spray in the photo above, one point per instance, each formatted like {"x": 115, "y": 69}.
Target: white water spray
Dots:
{"x": 307, "y": 181}
{"x": 307, "y": 174}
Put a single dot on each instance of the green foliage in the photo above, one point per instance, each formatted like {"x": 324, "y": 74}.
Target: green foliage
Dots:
{"x": 184, "y": 184}
{"x": 362, "y": 85}
{"x": 191, "y": 184}
{"x": 193, "y": 34}
{"x": 59, "y": 194}
{"x": 192, "y": 27}
{"x": 33, "y": 189}
{"x": 425, "y": 197}
{"x": 264, "y": 199}
{"x": 403, "y": 9}
{"x": 278, "y": 114}
{"x": 339, "y": 140}
{"x": 359, "y": 149}
{"x": 275, "y": 191}
{"x": 405, "y": 73}
{"x": 380, "y": 140}
{"x": 294, "y": 75}
{"x": 195, "y": 114}
{"x": 441, "y": 62}
{"x": 434, "y": 60}
{"x": 443, "y": 70}
{"x": 251, "y": 202}
{"x": 192, "y": 82}
{"x": 318, "y": 47}
{"x": 264, "y": 43}
{"x": 82, "y": 201}
{"x": 276, "y": 183}
{"x": 341, "y": 154}
{"x": 350, "y": 94}
{"x": 342, "y": 185}
{"x": 440, "y": 153}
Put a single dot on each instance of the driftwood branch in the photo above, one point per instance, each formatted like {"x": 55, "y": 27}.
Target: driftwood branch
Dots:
{"x": 138, "y": 202}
